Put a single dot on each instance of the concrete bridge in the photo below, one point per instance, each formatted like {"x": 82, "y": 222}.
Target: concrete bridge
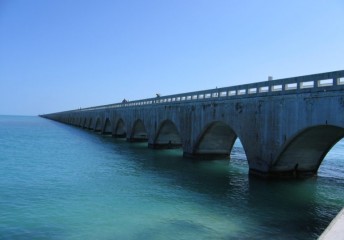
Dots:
{"x": 286, "y": 126}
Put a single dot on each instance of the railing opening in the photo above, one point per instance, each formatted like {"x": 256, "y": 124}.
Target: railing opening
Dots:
{"x": 264, "y": 89}
{"x": 242, "y": 92}
{"x": 291, "y": 86}
{"x": 232, "y": 93}
{"x": 252, "y": 90}
{"x": 340, "y": 81}
{"x": 275, "y": 88}
{"x": 325, "y": 82}
{"x": 309, "y": 84}
{"x": 223, "y": 94}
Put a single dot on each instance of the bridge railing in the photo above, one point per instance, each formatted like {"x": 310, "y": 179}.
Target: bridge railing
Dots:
{"x": 316, "y": 82}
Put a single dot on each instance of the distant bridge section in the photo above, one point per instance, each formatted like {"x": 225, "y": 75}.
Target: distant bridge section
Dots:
{"x": 286, "y": 126}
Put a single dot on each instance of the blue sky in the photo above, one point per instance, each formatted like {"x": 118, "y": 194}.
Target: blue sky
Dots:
{"x": 61, "y": 55}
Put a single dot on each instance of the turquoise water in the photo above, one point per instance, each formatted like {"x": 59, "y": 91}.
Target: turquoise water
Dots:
{"x": 62, "y": 182}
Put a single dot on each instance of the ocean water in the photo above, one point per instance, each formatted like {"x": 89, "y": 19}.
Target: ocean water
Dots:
{"x": 62, "y": 182}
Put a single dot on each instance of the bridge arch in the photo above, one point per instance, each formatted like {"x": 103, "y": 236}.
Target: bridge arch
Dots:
{"x": 139, "y": 132}
{"x": 107, "y": 129}
{"x": 84, "y": 123}
{"x": 216, "y": 140}
{"x": 98, "y": 126}
{"x": 168, "y": 136}
{"x": 120, "y": 130}
{"x": 90, "y": 126}
{"x": 304, "y": 152}
{"x": 80, "y": 122}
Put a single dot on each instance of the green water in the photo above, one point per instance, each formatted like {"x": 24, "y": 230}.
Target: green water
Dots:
{"x": 62, "y": 182}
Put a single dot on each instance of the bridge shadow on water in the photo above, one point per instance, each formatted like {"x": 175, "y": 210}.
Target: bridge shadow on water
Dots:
{"x": 212, "y": 178}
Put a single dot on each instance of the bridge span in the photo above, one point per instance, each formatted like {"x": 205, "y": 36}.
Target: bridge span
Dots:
{"x": 286, "y": 126}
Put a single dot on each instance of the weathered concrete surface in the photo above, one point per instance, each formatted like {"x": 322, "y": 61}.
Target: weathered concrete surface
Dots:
{"x": 335, "y": 231}
{"x": 286, "y": 126}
